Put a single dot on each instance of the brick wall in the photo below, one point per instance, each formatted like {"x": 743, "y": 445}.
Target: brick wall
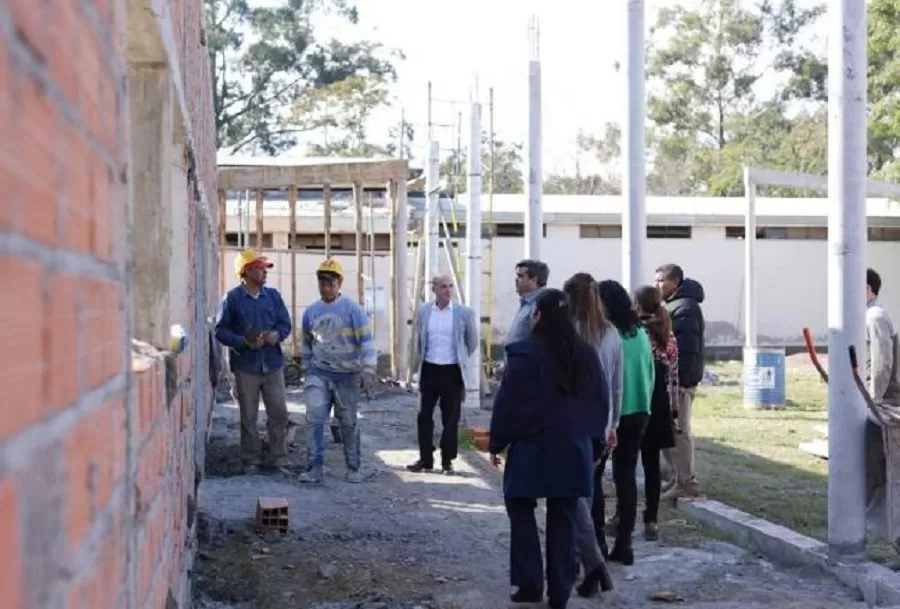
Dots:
{"x": 101, "y": 444}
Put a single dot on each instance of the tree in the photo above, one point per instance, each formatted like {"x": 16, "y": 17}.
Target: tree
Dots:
{"x": 264, "y": 58}
{"x": 507, "y": 177}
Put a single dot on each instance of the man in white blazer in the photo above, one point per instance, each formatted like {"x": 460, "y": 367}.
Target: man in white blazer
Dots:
{"x": 445, "y": 336}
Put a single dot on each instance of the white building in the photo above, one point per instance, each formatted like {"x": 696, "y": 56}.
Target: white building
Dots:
{"x": 582, "y": 233}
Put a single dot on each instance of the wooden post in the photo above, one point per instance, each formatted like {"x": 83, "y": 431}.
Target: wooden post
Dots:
{"x": 357, "y": 204}
{"x": 292, "y": 244}
{"x": 223, "y": 230}
{"x": 259, "y": 218}
{"x": 390, "y": 194}
{"x": 326, "y": 206}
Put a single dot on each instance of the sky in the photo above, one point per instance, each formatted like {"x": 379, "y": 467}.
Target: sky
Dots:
{"x": 487, "y": 41}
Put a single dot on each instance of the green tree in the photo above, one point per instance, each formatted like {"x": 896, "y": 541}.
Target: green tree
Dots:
{"x": 507, "y": 176}
{"x": 264, "y": 58}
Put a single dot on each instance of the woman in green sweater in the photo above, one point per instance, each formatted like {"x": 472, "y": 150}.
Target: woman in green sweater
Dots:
{"x": 637, "y": 390}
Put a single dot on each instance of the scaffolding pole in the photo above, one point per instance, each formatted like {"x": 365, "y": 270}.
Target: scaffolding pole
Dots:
{"x": 473, "y": 251}
{"x": 534, "y": 225}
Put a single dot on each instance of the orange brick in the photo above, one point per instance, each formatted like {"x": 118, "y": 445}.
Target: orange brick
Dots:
{"x": 30, "y": 22}
{"x": 11, "y": 558}
{"x": 65, "y": 27}
{"x": 76, "y": 228}
{"x": 7, "y": 204}
{"x": 61, "y": 348}
{"x": 38, "y": 174}
{"x": 21, "y": 326}
{"x": 104, "y": 327}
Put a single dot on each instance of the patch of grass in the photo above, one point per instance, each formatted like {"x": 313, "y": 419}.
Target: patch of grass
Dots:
{"x": 466, "y": 440}
{"x": 751, "y": 460}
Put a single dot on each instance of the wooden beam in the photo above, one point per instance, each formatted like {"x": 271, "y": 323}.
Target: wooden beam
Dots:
{"x": 365, "y": 173}
{"x": 223, "y": 215}
{"x": 292, "y": 244}
{"x": 326, "y": 194}
{"x": 357, "y": 204}
{"x": 259, "y": 218}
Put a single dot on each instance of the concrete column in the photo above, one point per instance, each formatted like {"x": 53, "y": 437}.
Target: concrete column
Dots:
{"x": 432, "y": 211}
{"x": 473, "y": 252}
{"x": 534, "y": 187}
{"x": 846, "y": 274}
{"x": 150, "y": 110}
{"x": 401, "y": 252}
{"x": 634, "y": 218}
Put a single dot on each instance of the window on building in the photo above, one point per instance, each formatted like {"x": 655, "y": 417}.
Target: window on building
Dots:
{"x": 788, "y": 233}
{"x": 669, "y": 232}
{"x": 600, "y": 231}
{"x": 516, "y": 229}
{"x": 884, "y": 233}
{"x": 233, "y": 240}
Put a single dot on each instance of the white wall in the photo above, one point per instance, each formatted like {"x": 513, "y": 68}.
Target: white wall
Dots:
{"x": 792, "y": 278}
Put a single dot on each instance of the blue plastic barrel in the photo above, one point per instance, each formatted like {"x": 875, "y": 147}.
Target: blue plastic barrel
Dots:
{"x": 764, "y": 378}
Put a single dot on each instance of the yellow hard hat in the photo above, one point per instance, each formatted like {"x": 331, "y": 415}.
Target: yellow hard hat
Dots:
{"x": 245, "y": 258}
{"x": 330, "y": 265}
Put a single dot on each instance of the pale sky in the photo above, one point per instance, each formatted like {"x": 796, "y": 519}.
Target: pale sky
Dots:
{"x": 452, "y": 44}
{"x": 580, "y": 41}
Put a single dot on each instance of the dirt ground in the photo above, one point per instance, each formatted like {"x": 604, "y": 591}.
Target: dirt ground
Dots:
{"x": 413, "y": 541}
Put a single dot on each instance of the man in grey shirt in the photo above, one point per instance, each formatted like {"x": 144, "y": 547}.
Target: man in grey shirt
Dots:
{"x": 531, "y": 279}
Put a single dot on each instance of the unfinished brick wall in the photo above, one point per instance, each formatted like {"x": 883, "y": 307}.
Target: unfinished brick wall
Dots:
{"x": 100, "y": 447}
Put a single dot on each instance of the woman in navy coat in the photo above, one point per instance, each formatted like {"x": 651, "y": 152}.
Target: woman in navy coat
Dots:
{"x": 550, "y": 415}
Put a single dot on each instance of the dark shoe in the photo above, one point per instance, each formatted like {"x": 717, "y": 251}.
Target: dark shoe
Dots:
{"x": 598, "y": 580}
{"x": 448, "y": 470}
{"x": 622, "y": 554}
{"x": 651, "y": 531}
{"x": 418, "y": 467}
{"x": 337, "y": 435}
{"x": 557, "y": 604}
{"x": 526, "y": 595}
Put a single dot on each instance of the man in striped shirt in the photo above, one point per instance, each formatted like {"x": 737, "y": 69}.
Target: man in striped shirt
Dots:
{"x": 338, "y": 356}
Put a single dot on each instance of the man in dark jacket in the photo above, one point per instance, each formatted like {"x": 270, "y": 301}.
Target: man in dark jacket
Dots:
{"x": 682, "y": 298}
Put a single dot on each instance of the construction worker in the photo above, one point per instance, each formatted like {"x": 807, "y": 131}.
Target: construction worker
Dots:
{"x": 253, "y": 322}
{"x": 337, "y": 355}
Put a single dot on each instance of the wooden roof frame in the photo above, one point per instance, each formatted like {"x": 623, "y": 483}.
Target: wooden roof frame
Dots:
{"x": 314, "y": 172}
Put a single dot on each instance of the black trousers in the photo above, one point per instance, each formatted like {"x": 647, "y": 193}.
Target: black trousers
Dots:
{"x": 624, "y": 458}
{"x": 443, "y": 386}
{"x": 525, "y": 561}
{"x": 650, "y": 455}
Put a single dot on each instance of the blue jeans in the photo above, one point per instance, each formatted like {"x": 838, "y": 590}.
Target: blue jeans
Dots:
{"x": 321, "y": 394}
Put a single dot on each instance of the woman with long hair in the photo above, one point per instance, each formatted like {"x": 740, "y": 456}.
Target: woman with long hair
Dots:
{"x": 551, "y": 408}
{"x": 660, "y": 432}
{"x": 637, "y": 387}
{"x": 592, "y": 326}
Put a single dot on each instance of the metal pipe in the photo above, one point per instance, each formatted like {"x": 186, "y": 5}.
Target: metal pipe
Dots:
{"x": 846, "y": 274}
{"x": 473, "y": 251}
{"x": 432, "y": 210}
{"x": 534, "y": 188}
{"x": 634, "y": 218}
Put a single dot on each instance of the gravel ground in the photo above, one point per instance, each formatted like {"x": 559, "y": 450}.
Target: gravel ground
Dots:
{"x": 413, "y": 541}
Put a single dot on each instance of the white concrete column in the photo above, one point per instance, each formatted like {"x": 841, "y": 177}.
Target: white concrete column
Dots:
{"x": 846, "y": 274}
{"x": 534, "y": 187}
{"x": 750, "y": 316}
{"x": 634, "y": 216}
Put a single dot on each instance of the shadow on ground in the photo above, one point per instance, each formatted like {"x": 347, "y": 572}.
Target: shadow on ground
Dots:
{"x": 403, "y": 540}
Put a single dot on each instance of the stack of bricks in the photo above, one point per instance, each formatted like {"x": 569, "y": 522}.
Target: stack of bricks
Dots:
{"x": 97, "y": 465}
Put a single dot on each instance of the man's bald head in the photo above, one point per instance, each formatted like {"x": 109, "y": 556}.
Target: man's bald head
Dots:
{"x": 442, "y": 286}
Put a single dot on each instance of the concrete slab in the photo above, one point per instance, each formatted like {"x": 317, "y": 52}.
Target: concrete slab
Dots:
{"x": 878, "y": 585}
